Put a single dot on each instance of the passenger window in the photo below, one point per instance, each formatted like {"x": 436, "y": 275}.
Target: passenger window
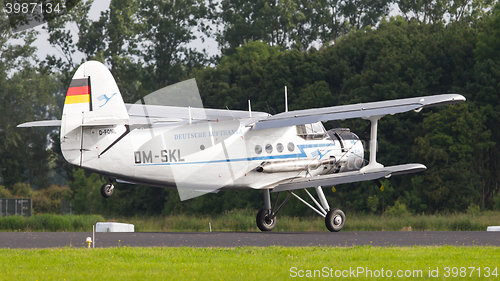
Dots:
{"x": 269, "y": 148}
{"x": 279, "y": 147}
{"x": 258, "y": 149}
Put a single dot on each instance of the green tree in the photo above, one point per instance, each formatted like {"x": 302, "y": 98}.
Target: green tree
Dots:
{"x": 467, "y": 10}
{"x": 48, "y": 201}
{"x": 372, "y": 203}
{"x": 22, "y": 190}
{"x": 454, "y": 146}
{"x": 165, "y": 29}
{"x": 4, "y": 192}
{"x": 25, "y": 94}
{"x": 434, "y": 11}
{"x": 426, "y": 11}
{"x": 362, "y": 13}
{"x": 293, "y": 24}
{"x": 85, "y": 192}
{"x": 488, "y": 42}
{"x": 315, "y": 95}
{"x": 486, "y": 93}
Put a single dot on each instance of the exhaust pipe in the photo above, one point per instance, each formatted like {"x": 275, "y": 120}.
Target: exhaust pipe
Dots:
{"x": 293, "y": 165}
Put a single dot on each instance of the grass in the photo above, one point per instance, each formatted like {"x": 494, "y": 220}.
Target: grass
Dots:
{"x": 244, "y": 220}
{"x": 49, "y": 223}
{"x": 246, "y": 263}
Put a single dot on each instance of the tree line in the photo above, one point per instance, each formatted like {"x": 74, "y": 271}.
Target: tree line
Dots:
{"x": 326, "y": 52}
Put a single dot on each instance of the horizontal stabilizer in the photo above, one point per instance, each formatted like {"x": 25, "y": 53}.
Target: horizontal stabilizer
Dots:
{"x": 91, "y": 122}
{"x": 347, "y": 177}
{"x": 46, "y": 123}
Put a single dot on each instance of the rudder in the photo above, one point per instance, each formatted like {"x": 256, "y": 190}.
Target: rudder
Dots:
{"x": 93, "y": 100}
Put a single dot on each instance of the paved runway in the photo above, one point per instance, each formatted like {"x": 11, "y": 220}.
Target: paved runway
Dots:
{"x": 239, "y": 239}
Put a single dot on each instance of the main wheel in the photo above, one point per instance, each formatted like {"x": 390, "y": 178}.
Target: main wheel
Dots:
{"x": 335, "y": 220}
{"x": 263, "y": 221}
{"x": 107, "y": 190}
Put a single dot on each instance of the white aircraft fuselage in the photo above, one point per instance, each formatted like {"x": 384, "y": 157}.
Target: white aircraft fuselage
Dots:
{"x": 212, "y": 155}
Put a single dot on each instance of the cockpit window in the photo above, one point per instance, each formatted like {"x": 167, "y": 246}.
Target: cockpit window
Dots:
{"x": 314, "y": 131}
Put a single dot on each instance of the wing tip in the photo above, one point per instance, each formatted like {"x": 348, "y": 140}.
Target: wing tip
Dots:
{"x": 440, "y": 100}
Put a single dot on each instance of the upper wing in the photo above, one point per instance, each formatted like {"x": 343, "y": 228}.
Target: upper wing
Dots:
{"x": 151, "y": 114}
{"x": 347, "y": 177}
{"x": 314, "y": 115}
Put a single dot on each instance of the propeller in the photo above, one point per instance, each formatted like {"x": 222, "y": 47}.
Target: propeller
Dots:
{"x": 379, "y": 184}
{"x": 365, "y": 135}
{"x": 335, "y": 124}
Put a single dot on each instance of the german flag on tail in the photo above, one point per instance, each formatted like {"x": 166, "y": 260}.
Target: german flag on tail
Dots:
{"x": 79, "y": 92}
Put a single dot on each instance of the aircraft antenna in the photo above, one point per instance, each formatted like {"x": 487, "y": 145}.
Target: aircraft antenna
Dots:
{"x": 230, "y": 112}
{"x": 249, "y": 109}
{"x": 286, "y": 100}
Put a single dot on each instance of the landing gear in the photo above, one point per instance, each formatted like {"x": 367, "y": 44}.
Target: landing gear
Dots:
{"x": 264, "y": 223}
{"x": 107, "y": 190}
{"x": 266, "y": 218}
{"x": 335, "y": 220}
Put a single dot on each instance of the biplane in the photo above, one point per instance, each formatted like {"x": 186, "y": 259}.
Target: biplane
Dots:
{"x": 196, "y": 150}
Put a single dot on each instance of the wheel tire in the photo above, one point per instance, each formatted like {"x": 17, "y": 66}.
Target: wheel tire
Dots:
{"x": 107, "y": 190}
{"x": 335, "y": 220}
{"x": 263, "y": 223}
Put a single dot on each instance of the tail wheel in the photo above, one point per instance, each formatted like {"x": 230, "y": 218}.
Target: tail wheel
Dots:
{"x": 335, "y": 220}
{"x": 263, "y": 221}
{"x": 107, "y": 190}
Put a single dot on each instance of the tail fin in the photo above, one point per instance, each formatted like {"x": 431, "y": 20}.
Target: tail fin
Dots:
{"x": 93, "y": 89}
{"x": 93, "y": 100}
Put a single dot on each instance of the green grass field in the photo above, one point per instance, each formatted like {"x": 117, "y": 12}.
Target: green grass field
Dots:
{"x": 244, "y": 220}
{"x": 249, "y": 263}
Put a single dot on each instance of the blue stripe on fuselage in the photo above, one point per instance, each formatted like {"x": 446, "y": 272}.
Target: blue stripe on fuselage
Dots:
{"x": 302, "y": 154}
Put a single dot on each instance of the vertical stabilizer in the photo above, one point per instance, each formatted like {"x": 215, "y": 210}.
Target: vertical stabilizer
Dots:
{"x": 93, "y": 99}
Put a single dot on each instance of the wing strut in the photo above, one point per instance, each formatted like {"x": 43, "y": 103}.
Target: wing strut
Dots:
{"x": 322, "y": 198}
{"x": 307, "y": 204}
{"x": 322, "y": 210}
{"x": 373, "y": 165}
